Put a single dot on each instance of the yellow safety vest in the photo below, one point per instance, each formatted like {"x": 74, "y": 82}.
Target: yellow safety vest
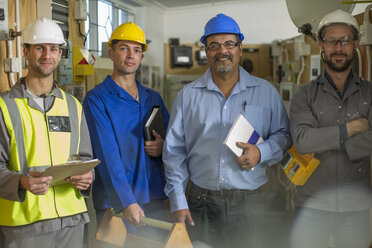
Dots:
{"x": 38, "y": 141}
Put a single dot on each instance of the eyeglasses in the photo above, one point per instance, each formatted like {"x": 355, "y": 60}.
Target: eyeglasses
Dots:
{"x": 214, "y": 46}
{"x": 344, "y": 41}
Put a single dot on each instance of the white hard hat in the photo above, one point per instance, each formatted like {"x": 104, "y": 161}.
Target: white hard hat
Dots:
{"x": 338, "y": 16}
{"x": 43, "y": 30}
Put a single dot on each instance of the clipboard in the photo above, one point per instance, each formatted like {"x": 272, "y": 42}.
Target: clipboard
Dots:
{"x": 63, "y": 171}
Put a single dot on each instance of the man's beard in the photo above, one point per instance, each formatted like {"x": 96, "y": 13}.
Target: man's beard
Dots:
{"x": 336, "y": 66}
{"x": 224, "y": 68}
{"x": 41, "y": 72}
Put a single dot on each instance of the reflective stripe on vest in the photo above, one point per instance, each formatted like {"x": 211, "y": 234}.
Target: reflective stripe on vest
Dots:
{"x": 18, "y": 132}
{"x": 75, "y": 125}
{"x": 37, "y": 141}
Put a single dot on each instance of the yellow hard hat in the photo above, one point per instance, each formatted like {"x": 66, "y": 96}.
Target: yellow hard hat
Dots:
{"x": 129, "y": 31}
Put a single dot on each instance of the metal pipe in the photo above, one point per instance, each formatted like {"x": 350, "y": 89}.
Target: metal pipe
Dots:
{"x": 301, "y": 71}
{"x": 18, "y": 29}
{"x": 286, "y": 54}
{"x": 157, "y": 223}
{"x": 351, "y": 2}
{"x": 368, "y": 62}
{"x": 360, "y": 63}
{"x": 10, "y": 55}
{"x": 150, "y": 222}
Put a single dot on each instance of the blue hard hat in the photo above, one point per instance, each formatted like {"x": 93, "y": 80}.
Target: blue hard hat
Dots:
{"x": 221, "y": 24}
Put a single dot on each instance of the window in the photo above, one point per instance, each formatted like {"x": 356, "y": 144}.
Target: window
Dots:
{"x": 103, "y": 18}
{"x": 60, "y": 15}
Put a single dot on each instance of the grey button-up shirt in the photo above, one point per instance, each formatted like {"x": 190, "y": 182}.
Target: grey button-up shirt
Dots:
{"x": 342, "y": 180}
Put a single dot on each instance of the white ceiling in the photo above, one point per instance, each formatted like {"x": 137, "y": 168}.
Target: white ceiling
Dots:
{"x": 188, "y": 3}
{"x": 173, "y": 4}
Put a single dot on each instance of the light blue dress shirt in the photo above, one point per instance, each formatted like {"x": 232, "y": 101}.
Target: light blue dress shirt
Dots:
{"x": 200, "y": 119}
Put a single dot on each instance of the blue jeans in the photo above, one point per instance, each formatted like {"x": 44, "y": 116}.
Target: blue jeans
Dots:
{"x": 312, "y": 228}
{"x": 227, "y": 220}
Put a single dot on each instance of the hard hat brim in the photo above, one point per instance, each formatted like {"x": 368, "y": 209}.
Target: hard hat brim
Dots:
{"x": 203, "y": 39}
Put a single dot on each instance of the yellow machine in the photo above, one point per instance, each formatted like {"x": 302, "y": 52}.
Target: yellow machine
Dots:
{"x": 299, "y": 167}
{"x": 82, "y": 65}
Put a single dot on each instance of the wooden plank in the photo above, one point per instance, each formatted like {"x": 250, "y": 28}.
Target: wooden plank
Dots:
{"x": 111, "y": 230}
{"x": 133, "y": 241}
{"x": 112, "y": 233}
{"x": 178, "y": 237}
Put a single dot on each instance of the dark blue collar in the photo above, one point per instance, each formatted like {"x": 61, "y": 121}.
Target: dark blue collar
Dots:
{"x": 328, "y": 77}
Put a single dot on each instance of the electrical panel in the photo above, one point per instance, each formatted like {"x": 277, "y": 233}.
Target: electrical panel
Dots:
{"x": 301, "y": 48}
{"x": 275, "y": 49}
{"x": 286, "y": 91}
{"x": 288, "y": 69}
{"x": 4, "y": 28}
{"x": 315, "y": 69}
{"x": 201, "y": 56}
{"x": 181, "y": 56}
{"x": 80, "y": 10}
{"x": 65, "y": 67}
{"x": 366, "y": 29}
{"x": 12, "y": 64}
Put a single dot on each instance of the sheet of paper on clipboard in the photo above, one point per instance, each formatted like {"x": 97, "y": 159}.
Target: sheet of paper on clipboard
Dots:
{"x": 63, "y": 171}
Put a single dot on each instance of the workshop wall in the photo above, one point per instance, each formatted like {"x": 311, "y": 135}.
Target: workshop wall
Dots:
{"x": 258, "y": 54}
{"x": 30, "y": 7}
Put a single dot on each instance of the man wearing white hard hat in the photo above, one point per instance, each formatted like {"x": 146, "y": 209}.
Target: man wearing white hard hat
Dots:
{"x": 41, "y": 126}
{"x": 331, "y": 116}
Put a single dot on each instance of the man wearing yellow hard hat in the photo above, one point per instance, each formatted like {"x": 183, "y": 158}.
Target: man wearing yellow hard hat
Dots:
{"x": 130, "y": 178}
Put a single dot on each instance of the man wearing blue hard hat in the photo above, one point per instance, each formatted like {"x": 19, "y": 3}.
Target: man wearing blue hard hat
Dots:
{"x": 225, "y": 205}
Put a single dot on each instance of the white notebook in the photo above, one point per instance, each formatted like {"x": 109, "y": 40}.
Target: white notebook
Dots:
{"x": 241, "y": 131}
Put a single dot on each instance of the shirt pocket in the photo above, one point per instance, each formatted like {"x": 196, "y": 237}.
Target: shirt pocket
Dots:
{"x": 255, "y": 116}
{"x": 358, "y": 170}
{"x": 358, "y": 110}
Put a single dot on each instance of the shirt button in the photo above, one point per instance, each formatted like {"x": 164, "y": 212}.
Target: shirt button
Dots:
{"x": 340, "y": 107}
{"x": 223, "y": 161}
{"x": 225, "y": 107}
{"x": 337, "y": 121}
{"x": 224, "y": 124}
{"x": 222, "y": 179}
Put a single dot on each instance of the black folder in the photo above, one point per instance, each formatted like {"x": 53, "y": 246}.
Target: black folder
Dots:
{"x": 154, "y": 122}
